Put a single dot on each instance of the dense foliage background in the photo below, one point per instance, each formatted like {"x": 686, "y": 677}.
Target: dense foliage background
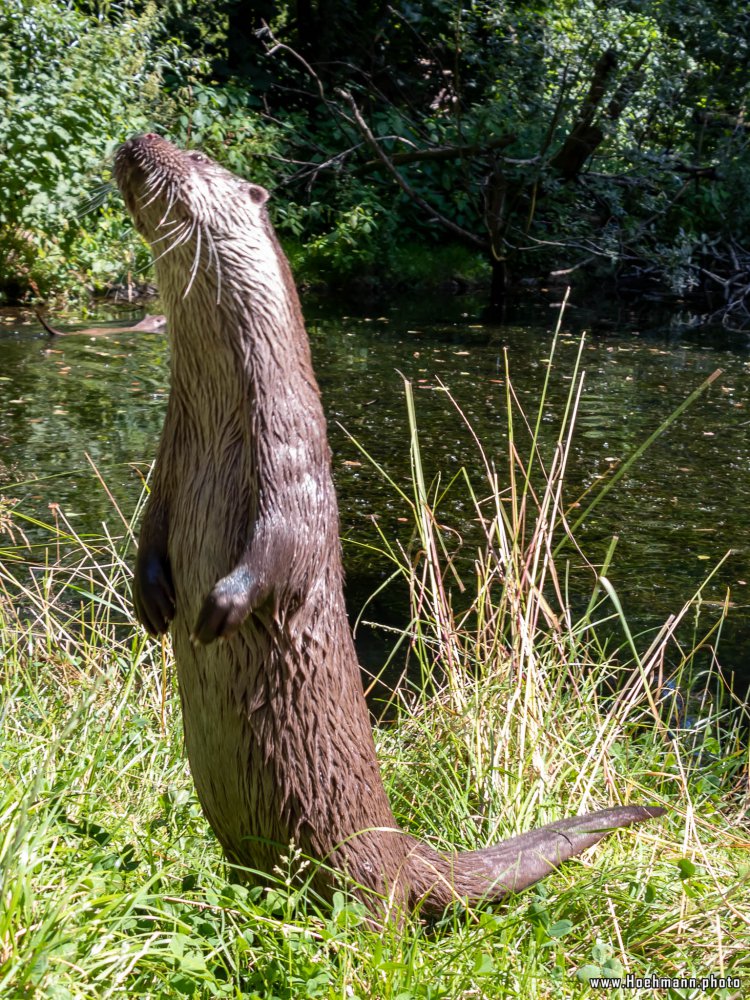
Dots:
{"x": 603, "y": 140}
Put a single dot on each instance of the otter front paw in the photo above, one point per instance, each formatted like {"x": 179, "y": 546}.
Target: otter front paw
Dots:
{"x": 226, "y": 607}
{"x": 153, "y": 592}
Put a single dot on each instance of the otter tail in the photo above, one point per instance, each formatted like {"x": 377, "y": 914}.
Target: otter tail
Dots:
{"x": 51, "y": 331}
{"x": 493, "y": 872}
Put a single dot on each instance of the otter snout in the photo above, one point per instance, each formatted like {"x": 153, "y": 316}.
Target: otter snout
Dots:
{"x": 145, "y": 168}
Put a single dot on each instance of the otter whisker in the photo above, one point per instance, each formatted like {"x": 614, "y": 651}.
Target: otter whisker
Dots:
{"x": 212, "y": 252}
{"x": 96, "y": 199}
{"x": 155, "y": 195}
{"x": 151, "y": 183}
{"x": 183, "y": 236}
{"x": 196, "y": 262}
{"x": 171, "y": 195}
{"x": 176, "y": 227}
{"x": 152, "y": 180}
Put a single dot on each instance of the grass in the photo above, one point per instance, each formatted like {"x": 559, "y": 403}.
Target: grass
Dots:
{"x": 515, "y": 711}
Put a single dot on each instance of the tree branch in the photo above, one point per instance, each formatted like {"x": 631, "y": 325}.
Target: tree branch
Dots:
{"x": 408, "y": 190}
{"x": 444, "y": 152}
{"x": 585, "y": 136}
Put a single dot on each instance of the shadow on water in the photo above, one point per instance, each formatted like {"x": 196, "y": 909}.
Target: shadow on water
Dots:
{"x": 679, "y": 510}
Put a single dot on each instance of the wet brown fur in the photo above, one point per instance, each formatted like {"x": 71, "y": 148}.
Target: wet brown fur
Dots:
{"x": 240, "y": 543}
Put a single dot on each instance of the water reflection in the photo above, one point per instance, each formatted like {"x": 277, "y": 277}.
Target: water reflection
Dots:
{"x": 676, "y": 513}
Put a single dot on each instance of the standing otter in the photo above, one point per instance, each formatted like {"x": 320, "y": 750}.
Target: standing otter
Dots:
{"x": 240, "y": 542}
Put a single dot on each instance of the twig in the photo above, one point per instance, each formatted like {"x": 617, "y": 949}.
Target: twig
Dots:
{"x": 444, "y": 152}
{"x": 51, "y": 331}
{"x": 277, "y": 46}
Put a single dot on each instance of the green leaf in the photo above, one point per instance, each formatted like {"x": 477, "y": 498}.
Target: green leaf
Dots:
{"x": 601, "y": 952}
{"x": 586, "y": 972}
{"x": 177, "y": 944}
{"x": 483, "y": 965}
{"x": 184, "y": 985}
{"x": 560, "y": 929}
{"x": 51, "y": 158}
{"x": 686, "y": 867}
{"x": 61, "y": 133}
{"x": 613, "y": 967}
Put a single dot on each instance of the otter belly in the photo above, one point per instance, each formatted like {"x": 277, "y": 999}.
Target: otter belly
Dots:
{"x": 224, "y": 686}
{"x": 222, "y": 692}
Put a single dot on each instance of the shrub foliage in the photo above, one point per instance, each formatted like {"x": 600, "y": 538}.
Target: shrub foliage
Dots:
{"x": 592, "y": 138}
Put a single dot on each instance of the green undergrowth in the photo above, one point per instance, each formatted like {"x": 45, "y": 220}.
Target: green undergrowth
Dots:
{"x": 514, "y": 712}
{"x": 406, "y": 265}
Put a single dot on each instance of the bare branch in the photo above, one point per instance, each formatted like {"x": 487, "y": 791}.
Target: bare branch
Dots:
{"x": 443, "y": 152}
{"x": 277, "y": 46}
{"x": 370, "y": 139}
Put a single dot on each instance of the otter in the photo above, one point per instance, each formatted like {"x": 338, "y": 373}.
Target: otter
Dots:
{"x": 149, "y": 324}
{"x": 239, "y": 554}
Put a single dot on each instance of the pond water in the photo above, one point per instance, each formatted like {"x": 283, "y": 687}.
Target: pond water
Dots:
{"x": 677, "y": 512}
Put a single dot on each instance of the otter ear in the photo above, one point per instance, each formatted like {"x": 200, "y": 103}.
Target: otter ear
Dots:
{"x": 258, "y": 194}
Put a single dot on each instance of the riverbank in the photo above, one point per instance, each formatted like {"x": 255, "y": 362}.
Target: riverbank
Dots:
{"x": 511, "y": 712}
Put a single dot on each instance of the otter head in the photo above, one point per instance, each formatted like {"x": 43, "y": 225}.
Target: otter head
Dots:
{"x": 196, "y": 215}
{"x": 164, "y": 186}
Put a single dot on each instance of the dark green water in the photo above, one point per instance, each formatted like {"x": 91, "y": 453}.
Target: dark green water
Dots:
{"x": 676, "y": 514}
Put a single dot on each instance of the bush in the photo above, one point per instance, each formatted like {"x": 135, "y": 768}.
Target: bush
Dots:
{"x": 74, "y": 86}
